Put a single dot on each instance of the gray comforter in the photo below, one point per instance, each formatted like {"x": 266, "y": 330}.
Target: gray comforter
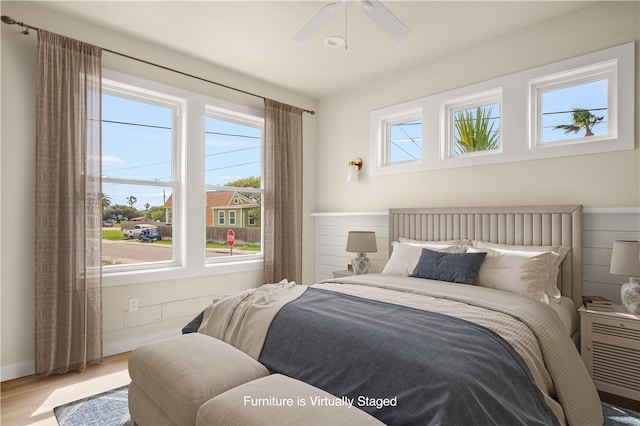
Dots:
{"x": 531, "y": 328}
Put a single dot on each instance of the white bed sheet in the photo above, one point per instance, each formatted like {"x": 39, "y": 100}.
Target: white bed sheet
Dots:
{"x": 568, "y": 314}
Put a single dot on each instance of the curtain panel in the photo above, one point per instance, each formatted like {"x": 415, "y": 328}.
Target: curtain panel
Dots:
{"x": 68, "y": 286}
{"x": 282, "y": 193}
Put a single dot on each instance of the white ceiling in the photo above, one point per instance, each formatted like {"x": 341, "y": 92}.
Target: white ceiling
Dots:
{"x": 255, "y": 37}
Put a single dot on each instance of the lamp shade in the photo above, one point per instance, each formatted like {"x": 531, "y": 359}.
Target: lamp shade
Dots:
{"x": 362, "y": 242}
{"x": 625, "y": 258}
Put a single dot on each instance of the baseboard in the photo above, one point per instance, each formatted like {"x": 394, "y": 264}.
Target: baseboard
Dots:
{"x": 15, "y": 371}
{"x": 130, "y": 344}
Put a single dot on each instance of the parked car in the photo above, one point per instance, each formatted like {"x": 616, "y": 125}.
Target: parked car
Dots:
{"x": 137, "y": 230}
{"x": 147, "y": 235}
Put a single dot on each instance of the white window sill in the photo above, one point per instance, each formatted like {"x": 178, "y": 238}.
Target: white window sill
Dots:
{"x": 113, "y": 279}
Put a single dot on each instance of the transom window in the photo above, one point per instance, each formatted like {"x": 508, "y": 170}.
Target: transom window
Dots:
{"x": 473, "y": 125}
{"x": 581, "y": 105}
{"x": 405, "y": 141}
{"x": 574, "y": 106}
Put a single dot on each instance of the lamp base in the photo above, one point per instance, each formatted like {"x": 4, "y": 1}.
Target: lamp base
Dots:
{"x": 630, "y": 296}
{"x": 361, "y": 264}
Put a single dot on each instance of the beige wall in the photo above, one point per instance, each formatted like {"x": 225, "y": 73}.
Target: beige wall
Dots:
{"x": 338, "y": 133}
{"x": 602, "y": 180}
{"x": 164, "y": 305}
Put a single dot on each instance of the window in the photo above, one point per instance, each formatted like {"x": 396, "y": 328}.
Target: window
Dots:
{"x": 473, "y": 125}
{"x": 174, "y": 165}
{"x": 233, "y": 177}
{"x": 574, "y": 106}
{"x": 405, "y": 140}
{"x": 139, "y": 140}
{"x": 581, "y": 105}
{"x": 398, "y": 138}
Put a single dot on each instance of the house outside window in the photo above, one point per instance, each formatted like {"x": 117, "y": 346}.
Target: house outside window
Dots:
{"x": 233, "y": 182}
{"x": 151, "y": 131}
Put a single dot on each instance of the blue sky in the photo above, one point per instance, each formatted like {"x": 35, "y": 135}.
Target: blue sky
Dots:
{"x": 143, "y": 151}
{"x": 233, "y": 151}
{"x": 557, "y": 105}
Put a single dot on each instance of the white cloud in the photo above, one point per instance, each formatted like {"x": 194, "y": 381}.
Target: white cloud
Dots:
{"x": 109, "y": 160}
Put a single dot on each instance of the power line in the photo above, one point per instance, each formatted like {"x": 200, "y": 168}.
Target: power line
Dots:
{"x": 233, "y": 135}
{"x": 235, "y": 165}
{"x": 126, "y": 123}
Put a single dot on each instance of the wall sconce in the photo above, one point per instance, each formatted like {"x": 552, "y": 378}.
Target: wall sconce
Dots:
{"x": 354, "y": 167}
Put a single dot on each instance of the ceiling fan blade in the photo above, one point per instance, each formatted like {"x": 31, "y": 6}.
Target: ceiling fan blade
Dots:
{"x": 321, "y": 18}
{"x": 386, "y": 20}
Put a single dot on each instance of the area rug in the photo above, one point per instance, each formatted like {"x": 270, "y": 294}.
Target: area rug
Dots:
{"x": 109, "y": 408}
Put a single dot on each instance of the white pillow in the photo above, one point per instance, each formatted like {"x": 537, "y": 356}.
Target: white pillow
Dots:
{"x": 405, "y": 256}
{"x": 552, "y": 289}
{"x": 523, "y": 272}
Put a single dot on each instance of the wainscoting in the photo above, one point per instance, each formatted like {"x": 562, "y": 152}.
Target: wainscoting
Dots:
{"x": 601, "y": 227}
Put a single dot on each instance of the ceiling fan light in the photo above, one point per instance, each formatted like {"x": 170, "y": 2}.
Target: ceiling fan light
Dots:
{"x": 334, "y": 41}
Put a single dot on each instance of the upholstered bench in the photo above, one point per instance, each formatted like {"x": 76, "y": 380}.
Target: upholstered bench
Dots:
{"x": 172, "y": 378}
{"x": 279, "y": 400}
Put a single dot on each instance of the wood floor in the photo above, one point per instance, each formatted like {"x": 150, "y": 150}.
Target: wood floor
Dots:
{"x": 30, "y": 400}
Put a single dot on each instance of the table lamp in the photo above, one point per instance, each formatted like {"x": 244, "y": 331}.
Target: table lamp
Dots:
{"x": 361, "y": 242}
{"x": 625, "y": 260}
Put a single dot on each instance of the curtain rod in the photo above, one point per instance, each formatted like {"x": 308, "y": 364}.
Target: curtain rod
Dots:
{"x": 8, "y": 20}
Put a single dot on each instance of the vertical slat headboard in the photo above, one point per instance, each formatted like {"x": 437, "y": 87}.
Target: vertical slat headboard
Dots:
{"x": 522, "y": 225}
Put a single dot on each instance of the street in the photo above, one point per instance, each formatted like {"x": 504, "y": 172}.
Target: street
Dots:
{"x": 133, "y": 251}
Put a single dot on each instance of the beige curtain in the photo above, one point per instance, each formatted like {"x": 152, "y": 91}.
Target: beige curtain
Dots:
{"x": 68, "y": 205}
{"x": 282, "y": 193}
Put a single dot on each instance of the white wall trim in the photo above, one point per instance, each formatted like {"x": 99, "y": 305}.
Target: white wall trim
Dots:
{"x": 614, "y": 210}
{"x": 14, "y": 371}
{"x": 27, "y": 368}
{"x": 338, "y": 214}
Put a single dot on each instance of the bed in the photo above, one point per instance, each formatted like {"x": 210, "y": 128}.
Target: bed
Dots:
{"x": 472, "y": 321}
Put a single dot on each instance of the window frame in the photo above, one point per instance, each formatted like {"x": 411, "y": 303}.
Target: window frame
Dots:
{"x": 607, "y": 70}
{"x": 515, "y": 121}
{"x": 381, "y": 122}
{"x": 247, "y": 119}
{"x": 177, "y": 105}
{"x": 189, "y": 180}
{"x": 449, "y": 108}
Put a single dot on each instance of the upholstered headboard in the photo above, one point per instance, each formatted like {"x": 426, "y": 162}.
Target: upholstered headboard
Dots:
{"x": 530, "y": 226}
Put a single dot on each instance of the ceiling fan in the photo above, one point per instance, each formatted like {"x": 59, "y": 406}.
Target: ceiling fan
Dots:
{"x": 379, "y": 14}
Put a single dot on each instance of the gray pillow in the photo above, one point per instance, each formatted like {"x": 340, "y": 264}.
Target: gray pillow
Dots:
{"x": 453, "y": 267}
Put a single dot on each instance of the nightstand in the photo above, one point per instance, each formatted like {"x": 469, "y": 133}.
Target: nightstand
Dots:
{"x": 611, "y": 350}
{"x": 343, "y": 273}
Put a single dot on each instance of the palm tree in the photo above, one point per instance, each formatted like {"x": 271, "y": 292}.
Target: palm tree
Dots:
{"x": 106, "y": 201}
{"x": 131, "y": 200}
{"x": 582, "y": 119}
{"x": 476, "y": 133}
